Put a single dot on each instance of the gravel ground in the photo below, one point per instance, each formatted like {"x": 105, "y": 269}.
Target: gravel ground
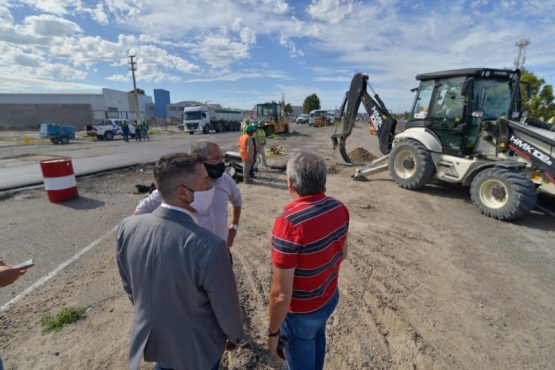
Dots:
{"x": 429, "y": 282}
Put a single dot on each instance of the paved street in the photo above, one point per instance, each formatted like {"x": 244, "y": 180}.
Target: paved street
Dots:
{"x": 19, "y": 164}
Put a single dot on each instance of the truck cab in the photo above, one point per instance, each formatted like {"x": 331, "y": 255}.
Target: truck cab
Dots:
{"x": 196, "y": 119}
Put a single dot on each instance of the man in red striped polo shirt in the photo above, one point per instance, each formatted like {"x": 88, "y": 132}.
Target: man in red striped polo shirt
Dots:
{"x": 309, "y": 242}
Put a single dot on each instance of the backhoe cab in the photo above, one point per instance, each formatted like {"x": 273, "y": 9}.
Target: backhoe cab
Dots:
{"x": 464, "y": 127}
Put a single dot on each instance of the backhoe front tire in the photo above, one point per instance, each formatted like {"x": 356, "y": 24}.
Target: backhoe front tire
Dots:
{"x": 503, "y": 193}
{"x": 410, "y": 165}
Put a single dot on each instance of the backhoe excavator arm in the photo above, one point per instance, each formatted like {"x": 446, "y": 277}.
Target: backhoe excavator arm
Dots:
{"x": 379, "y": 116}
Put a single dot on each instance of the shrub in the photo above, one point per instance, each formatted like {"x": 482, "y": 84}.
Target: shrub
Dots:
{"x": 67, "y": 316}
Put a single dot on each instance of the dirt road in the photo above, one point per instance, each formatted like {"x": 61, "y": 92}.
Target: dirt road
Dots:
{"x": 429, "y": 282}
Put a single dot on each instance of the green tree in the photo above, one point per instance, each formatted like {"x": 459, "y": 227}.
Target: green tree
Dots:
{"x": 541, "y": 103}
{"x": 288, "y": 109}
{"x": 139, "y": 91}
{"x": 401, "y": 116}
{"x": 311, "y": 103}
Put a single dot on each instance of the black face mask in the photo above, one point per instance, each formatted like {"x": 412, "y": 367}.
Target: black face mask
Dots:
{"x": 215, "y": 171}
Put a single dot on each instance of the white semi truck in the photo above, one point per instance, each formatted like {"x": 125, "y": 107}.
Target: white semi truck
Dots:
{"x": 204, "y": 118}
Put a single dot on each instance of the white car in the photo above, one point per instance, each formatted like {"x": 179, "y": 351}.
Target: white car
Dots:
{"x": 302, "y": 118}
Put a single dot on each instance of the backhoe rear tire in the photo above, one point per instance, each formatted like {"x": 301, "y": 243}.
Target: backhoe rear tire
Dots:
{"x": 410, "y": 165}
{"x": 503, "y": 193}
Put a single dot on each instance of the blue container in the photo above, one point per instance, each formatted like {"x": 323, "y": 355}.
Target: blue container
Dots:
{"x": 57, "y": 133}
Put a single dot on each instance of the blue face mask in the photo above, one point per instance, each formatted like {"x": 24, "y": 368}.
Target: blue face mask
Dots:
{"x": 215, "y": 171}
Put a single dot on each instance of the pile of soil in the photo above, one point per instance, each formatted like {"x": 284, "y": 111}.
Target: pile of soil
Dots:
{"x": 361, "y": 155}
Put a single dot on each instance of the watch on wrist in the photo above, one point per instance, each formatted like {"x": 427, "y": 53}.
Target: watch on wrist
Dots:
{"x": 234, "y": 227}
{"x": 270, "y": 334}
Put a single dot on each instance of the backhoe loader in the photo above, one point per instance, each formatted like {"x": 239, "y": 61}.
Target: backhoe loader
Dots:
{"x": 464, "y": 127}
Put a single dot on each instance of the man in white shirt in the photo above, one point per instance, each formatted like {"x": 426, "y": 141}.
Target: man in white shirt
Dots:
{"x": 215, "y": 218}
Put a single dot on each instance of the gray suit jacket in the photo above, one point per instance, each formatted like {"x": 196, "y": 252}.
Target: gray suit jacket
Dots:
{"x": 179, "y": 278}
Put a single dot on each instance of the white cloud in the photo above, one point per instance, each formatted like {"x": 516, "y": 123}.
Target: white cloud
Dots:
{"x": 248, "y": 35}
{"x": 331, "y": 11}
{"x": 51, "y": 26}
{"x": 284, "y": 41}
{"x": 6, "y": 18}
{"x": 243, "y": 40}
{"x": 98, "y": 14}
{"x": 57, "y": 7}
{"x": 220, "y": 51}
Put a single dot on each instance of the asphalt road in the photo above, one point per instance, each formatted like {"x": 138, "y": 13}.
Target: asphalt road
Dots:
{"x": 58, "y": 234}
{"x": 20, "y": 164}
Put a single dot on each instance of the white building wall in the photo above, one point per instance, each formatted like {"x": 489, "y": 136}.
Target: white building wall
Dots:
{"x": 99, "y": 102}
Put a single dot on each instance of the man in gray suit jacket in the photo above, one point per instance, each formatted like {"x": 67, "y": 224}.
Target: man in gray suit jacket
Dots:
{"x": 178, "y": 275}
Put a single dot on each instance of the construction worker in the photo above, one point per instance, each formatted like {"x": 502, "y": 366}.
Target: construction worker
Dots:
{"x": 261, "y": 144}
{"x": 144, "y": 130}
{"x": 247, "y": 152}
{"x": 138, "y": 130}
{"x": 255, "y": 140}
{"x": 244, "y": 126}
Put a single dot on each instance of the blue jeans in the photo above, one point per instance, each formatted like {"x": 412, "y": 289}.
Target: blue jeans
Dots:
{"x": 305, "y": 348}
{"x": 158, "y": 367}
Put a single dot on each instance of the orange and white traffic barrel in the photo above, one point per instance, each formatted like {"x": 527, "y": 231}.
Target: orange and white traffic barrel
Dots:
{"x": 59, "y": 179}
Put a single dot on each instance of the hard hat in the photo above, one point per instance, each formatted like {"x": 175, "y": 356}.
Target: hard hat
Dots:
{"x": 250, "y": 128}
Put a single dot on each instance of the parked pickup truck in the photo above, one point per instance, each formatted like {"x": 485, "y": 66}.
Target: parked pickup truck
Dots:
{"x": 108, "y": 128}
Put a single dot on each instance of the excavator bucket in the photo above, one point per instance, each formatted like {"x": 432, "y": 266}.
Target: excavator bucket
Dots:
{"x": 339, "y": 154}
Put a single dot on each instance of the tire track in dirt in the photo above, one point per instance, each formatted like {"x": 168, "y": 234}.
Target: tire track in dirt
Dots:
{"x": 253, "y": 271}
{"x": 390, "y": 258}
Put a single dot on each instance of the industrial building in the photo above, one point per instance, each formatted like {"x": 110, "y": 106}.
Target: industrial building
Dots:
{"x": 28, "y": 111}
{"x": 24, "y": 111}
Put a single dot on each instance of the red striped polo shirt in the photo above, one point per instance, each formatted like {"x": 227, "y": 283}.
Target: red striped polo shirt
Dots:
{"x": 309, "y": 236}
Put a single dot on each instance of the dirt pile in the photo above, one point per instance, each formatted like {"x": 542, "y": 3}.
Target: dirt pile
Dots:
{"x": 361, "y": 156}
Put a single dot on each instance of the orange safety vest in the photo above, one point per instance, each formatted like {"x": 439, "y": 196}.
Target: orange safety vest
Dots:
{"x": 243, "y": 149}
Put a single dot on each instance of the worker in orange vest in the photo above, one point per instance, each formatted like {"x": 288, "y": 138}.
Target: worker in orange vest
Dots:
{"x": 247, "y": 152}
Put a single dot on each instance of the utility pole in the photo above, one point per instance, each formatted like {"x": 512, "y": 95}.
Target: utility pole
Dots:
{"x": 521, "y": 57}
{"x": 133, "y": 69}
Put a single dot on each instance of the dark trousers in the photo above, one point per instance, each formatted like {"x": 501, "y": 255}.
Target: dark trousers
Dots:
{"x": 158, "y": 367}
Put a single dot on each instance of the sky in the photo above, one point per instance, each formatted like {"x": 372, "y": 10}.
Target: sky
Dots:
{"x": 238, "y": 53}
